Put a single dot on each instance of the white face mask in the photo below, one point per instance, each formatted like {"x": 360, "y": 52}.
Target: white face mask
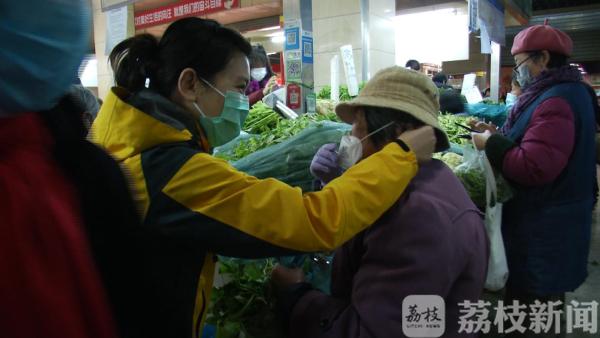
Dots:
{"x": 258, "y": 74}
{"x": 351, "y": 150}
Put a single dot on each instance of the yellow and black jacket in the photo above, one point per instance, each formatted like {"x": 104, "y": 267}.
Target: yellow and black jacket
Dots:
{"x": 195, "y": 206}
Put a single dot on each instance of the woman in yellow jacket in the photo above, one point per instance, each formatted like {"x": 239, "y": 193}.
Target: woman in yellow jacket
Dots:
{"x": 176, "y": 99}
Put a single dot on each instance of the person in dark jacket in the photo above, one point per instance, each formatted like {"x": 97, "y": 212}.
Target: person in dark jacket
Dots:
{"x": 546, "y": 150}
{"x": 441, "y": 80}
{"x": 51, "y": 181}
{"x": 413, "y": 64}
{"x": 450, "y": 99}
{"x": 432, "y": 241}
{"x": 87, "y": 101}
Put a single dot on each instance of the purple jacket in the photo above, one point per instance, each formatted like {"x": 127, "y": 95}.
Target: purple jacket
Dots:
{"x": 432, "y": 241}
{"x": 254, "y": 91}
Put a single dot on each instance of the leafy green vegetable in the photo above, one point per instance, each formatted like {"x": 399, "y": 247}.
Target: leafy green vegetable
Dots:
{"x": 261, "y": 118}
{"x": 448, "y": 124}
{"x": 473, "y": 180}
{"x": 325, "y": 92}
{"x": 271, "y": 131}
{"x": 245, "y": 306}
{"x": 472, "y": 176}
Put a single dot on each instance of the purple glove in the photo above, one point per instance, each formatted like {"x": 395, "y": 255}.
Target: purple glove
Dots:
{"x": 324, "y": 165}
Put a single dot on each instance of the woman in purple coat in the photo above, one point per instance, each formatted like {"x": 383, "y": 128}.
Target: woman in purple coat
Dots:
{"x": 431, "y": 242}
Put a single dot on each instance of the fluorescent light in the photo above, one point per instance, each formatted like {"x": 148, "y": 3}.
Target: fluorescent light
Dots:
{"x": 89, "y": 77}
{"x": 272, "y": 35}
{"x": 278, "y": 39}
{"x": 268, "y": 28}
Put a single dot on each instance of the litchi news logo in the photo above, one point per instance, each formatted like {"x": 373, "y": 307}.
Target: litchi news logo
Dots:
{"x": 425, "y": 316}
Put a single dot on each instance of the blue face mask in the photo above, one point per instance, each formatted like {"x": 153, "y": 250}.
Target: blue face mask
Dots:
{"x": 227, "y": 126}
{"x": 511, "y": 99}
{"x": 524, "y": 76}
{"x": 39, "y": 57}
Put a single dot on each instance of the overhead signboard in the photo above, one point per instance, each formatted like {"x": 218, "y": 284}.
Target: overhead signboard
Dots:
{"x": 181, "y": 9}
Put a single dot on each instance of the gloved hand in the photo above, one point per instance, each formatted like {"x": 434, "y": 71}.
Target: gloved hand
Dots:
{"x": 324, "y": 165}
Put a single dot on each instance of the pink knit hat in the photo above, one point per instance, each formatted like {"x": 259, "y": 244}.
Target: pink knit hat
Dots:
{"x": 542, "y": 37}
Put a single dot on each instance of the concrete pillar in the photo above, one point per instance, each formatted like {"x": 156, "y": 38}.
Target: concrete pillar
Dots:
{"x": 381, "y": 48}
{"x": 495, "y": 72}
{"x": 365, "y": 24}
{"x": 299, "y": 56}
{"x": 105, "y": 76}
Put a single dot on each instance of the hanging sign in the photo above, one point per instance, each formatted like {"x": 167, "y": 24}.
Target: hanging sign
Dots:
{"x": 294, "y": 95}
{"x": 107, "y": 5}
{"x": 307, "y": 49}
{"x": 292, "y": 38}
{"x": 116, "y": 27}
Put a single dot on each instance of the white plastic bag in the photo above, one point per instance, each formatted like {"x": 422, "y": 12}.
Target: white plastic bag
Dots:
{"x": 497, "y": 273}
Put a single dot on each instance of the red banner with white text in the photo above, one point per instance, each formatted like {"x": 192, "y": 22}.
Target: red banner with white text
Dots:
{"x": 181, "y": 9}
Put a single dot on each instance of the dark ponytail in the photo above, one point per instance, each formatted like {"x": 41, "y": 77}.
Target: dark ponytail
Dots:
{"x": 134, "y": 60}
{"x": 203, "y": 45}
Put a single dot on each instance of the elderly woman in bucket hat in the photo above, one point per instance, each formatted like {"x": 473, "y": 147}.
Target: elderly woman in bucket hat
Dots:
{"x": 432, "y": 241}
{"x": 547, "y": 150}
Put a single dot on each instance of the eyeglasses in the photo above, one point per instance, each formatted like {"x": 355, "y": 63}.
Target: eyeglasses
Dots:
{"x": 516, "y": 68}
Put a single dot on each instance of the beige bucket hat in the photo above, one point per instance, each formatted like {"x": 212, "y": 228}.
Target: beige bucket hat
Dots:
{"x": 401, "y": 89}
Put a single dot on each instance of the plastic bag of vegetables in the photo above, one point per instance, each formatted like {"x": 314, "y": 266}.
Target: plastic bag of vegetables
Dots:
{"x": 289, "y": 161}
{"x": 472, "y": 175}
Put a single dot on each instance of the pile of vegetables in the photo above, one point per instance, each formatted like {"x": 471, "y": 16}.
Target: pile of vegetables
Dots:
{"x": 325, "y": 92}
{"x": 448, "y": 124}
{"x": 245, "y": 305}
{"x": 261, "y": 119}
{"x": 267, "y": 128}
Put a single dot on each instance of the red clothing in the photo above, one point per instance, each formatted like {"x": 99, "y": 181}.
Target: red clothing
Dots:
{"x": 546, "y": 147}
{"x": 49, "y": 285}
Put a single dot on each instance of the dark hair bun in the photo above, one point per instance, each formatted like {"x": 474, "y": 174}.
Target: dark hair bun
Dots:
{"x": 134, "y": 60}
